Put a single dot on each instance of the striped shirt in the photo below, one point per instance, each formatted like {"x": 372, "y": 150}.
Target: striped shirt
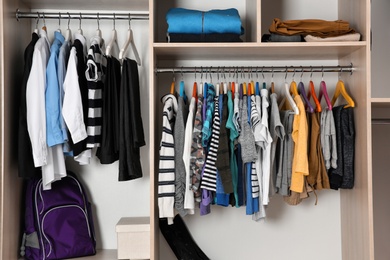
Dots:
{"x": 209, "y": 179}
{"x": 166, "y": 173}
{"x": 96, "y": 68}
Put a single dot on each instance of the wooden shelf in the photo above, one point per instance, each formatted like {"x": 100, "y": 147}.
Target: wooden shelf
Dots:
{"x": 105, "y": 254}
{"x": 254, "y": 51}
{"x": 123, "y": 5}
{"x": 380, "y": 102}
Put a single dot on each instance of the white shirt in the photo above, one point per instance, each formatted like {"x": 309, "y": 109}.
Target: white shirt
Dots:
{"x": 189, "y": 200}
{"x": 35, "y": 100}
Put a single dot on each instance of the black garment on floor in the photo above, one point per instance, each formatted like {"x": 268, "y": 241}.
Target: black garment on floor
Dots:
{"x": 25, "y": 157}
{"x": 81, "y": 146}
{"x": 209, "y": 37}
{"x": 343, "y": 176}
{"x": 180, "y": 240}
{"x": 108, "y": 152}
{"x": 131, "y": 129}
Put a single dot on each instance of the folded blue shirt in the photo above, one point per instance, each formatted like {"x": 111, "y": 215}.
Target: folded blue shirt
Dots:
{"x": 182, "y": 20}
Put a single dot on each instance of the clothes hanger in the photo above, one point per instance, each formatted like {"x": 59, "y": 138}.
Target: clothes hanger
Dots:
{"x": 97, "y": 38}
{"x": 293, "y": 86}
{"x": 68, "y": 32}
{"x": 44, "y": 23}
{"x": 340, "y": 89}
{"x": 302, "y": 92}
{"x": 80, "y": 31}
{"x": 195, "y": 89}
{"x": 264, "y": 83}
{"x": 59, "y": 23}
{"x": 272, "y": 82}
{"x": 312, "y": 93}
{"x": 129, "y": 40}
{"x": 182, "y": 92}
{"x": 36, "y": 25}
{"x": 324, "y": 92}
{"x": 289, "y": 97}
{"x": 172, "y": 89}
{"x": 113, "y": 42}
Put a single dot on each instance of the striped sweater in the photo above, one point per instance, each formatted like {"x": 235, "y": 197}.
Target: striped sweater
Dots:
{"x": 166, "y": 173}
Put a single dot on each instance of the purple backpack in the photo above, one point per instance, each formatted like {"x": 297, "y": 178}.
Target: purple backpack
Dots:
{"x": 58, "y": 222}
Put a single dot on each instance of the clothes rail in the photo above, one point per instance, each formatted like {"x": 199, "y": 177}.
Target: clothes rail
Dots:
{"x": 95, "y": 16}
{"x": 257, "y": 69}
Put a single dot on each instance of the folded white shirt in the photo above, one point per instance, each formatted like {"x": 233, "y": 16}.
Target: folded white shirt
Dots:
{"x": 341, "y": 38}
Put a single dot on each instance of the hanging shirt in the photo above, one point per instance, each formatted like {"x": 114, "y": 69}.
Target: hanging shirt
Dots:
{"x": 209, "y": 179}
{"x": 255, "y": 125}
{"x": 209, "y": 111}
{"x": 189, "y": 201}
{"x": 328, "y": 139}
{"x": 233, "y": 135}
{"x": 300, "y": 167}
{"x": 75, "y": 97}
{"x": 283, "y": 177}
{"x": 26, "y": 169}
{"x": 63, "y": 57}
{"x": 131, "y": 131}
{"x": 197, "y": 151}
{"x": 266, "y": 153}
{"x": 108, "y": 151}
{"x": 96, "y": 69}
{"x": 166, "y": 172}
{"x": 35, "y": 100}
{"x": 222, "y": 162}
{"x": 55, "y": 168}
{"x": 277, "y": 132}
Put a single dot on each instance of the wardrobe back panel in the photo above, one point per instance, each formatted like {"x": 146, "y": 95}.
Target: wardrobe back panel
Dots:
{"x": 13, "y": 43}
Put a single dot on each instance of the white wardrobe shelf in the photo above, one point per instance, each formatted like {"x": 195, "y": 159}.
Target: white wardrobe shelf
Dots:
{"x": 254, "y": 51}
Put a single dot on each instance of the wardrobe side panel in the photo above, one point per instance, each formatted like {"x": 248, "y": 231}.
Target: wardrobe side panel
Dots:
{"x": 356, "y": 204}
{"x": 16, "y": 36}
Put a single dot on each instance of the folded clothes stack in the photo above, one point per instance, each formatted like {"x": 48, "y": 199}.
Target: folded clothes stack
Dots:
{"x": 310, "y": 30}
{"x": 185, "y": 25}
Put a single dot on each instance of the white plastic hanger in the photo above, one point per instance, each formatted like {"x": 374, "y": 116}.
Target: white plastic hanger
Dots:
{"x": 36, "y": 25}
{"x": 129, "y": 40}
{"x": 113, "y": 41}
{"x": 97, "y": 38}
{"x": 80, "y": 31}
{"x": 68, "y": 32}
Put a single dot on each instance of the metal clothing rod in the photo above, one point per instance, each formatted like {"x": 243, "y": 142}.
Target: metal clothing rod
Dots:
{"x": 95, "y": 16}
{"x": 256, "y": 69}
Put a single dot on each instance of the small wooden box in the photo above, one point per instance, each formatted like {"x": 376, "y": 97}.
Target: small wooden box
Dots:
{"x": 133, "y": 235}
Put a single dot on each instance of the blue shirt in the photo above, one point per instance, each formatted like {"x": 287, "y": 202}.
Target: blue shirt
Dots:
{"x": 54, "y": 133}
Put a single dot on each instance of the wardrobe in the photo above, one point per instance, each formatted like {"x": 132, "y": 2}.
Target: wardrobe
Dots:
{"x": 341, "y": 226}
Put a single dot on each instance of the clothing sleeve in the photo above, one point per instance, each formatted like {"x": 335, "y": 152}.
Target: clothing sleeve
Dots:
{"x": 72, "y": 109}
{"x": 35, "y": 101}
{"x": 53, "y": 112}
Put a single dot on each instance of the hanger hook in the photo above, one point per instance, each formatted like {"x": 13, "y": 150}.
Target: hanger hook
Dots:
{"x": 181, "y": 72}
{"x": 195, "y": 73}
{"x": 201, "y": 73}
{"x": 294, "y": 74}
{"x": 341, "y": 71}
{"x": 311, "y": 72}
{"x": 80, "y": 21}
{"x": 59, "y": 19}
{"x": 36, "y": 25}
{"x": 272, "y": 75}
{"x": 218, "y": 73}
{"x": 68, "y": 20}
{"x": 211, "y": 76}
{"x": 262, "y": 73}
{"x": 114, "y": 21}
{"x": 129, "y": 22}
{"x": 98, "y": 21}
{"x": 322, "y": 73}
{"x": 44, "y": 21}
{"x": 224, "y": 74}
{"x": 285, "y": 76}
{"x": 302, "y": 72}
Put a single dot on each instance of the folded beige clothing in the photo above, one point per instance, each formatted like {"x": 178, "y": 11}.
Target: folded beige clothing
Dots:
{"x": 353, "y": 37}
{"x": 314, "y": 27}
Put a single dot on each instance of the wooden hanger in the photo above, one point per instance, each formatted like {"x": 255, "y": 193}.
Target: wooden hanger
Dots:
{"x": 340, "y": 89}
{"x": 44, "y": 23}
{"x": 172, "y": 89}
{"x": 324, "y": 92}
{"x": 312, "y": 93}
{"x": 113, "y": 42}
{"x": 130, "y": 41}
